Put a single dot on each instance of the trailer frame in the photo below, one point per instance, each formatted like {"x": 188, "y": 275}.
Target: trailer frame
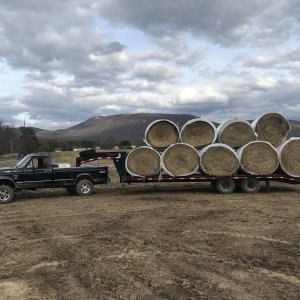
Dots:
{"x": 119, "y": 158}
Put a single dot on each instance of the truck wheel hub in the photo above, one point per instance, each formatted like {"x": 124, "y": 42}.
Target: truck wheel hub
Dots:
{"x": 85, "y": 188}
{"x": 4, "y": 195}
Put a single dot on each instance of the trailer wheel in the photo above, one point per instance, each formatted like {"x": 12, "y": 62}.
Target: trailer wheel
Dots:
{"x": 7, "y": 194}
{"x": 84, "y": 187}
{"x": 225, "y": 185}
{"x": 250, "y": 185}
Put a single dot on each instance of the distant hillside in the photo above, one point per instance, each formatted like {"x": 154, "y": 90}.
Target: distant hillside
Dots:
{"x": 36, "y": 130}
{"x": 295, "y": 127}
{"x": 121, "y": 127}
{"x": 112, "y": 128}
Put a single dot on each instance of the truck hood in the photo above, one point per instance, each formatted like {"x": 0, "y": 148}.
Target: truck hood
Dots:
{"x": 8, "y": 169}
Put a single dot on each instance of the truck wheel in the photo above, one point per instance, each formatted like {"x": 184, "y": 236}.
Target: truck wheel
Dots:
{"x": 225, "y": 185}
{"x": 88, "y": 152}
{"x": 84, "y": 187}
{"x": 250, "y": 185}
{"x": 6, "y": 194}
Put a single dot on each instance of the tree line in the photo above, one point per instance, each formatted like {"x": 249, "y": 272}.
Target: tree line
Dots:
{"x": 17, "y": 140}
{"x": 23, "y": 140}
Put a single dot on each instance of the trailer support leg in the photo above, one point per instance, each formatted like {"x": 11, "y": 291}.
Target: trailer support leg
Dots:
{"x": 123, "y": 181}
{"x": 268, "y": 186}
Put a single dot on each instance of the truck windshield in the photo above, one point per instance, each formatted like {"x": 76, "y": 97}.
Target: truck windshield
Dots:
{"x": 22, "y": 163}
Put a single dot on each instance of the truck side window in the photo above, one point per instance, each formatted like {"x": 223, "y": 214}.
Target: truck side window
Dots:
{"x": 30, "y": 164}
{"x": 42, "y": 163}
{"x": 36, "y": 163}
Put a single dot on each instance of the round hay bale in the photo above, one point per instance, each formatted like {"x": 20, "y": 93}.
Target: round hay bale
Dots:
{"x": 258, "y": 158}
{"x": 289, "y": 157}
{"x": 160, "y": 134}
{"x": 198, "y": 133}
{"x": 273, "y": 128}
{"x": 143, "y": 161}
{"x": 219, "y": 160}
{"x": 180, "y": 160}
{"x": 235, "y": 133}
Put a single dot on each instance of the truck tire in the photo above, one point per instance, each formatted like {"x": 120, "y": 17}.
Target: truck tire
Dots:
{"x": 250, "y": 185}
{"x": 88, "y": 152}
{"x": 84, "y": 187}
{"x": 7, "y": 194}
{"x": 225, "y": 185}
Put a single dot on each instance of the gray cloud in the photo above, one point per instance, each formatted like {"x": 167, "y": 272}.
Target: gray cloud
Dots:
{"x": 74, "y": 70}
{"x": 56, "y": 37}
{"x": 156, "y": 72}
{"x": 288, "y": 60}
{"x": 224, "y": 22}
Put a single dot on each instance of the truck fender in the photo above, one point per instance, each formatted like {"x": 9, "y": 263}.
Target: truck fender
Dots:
{"x": 83, "y": 176}
{"x": 7, "y": 180}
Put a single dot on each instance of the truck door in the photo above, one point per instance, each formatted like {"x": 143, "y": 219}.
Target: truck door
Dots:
{"x": 37, "y": 173}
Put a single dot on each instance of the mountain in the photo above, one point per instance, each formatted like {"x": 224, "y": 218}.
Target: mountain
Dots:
{"x": 121, "y": 127}
{"x": 35, "y": 129}
{"x": 112, "y": 128}
{"x": 295, "y": 127}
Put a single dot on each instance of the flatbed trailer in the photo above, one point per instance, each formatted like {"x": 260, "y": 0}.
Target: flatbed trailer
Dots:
{"x": 224, "y": 185}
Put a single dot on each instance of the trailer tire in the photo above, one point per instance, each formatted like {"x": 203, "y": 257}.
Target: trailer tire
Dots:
{"x": 84, "y": 187}
{"x": 225, "y": 185}
{"x": 7, "y": 194}
{"x": 250, "y": 185}
{"x": 213, "y": 184}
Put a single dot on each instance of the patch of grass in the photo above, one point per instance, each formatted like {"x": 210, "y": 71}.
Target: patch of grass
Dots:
{"x": 8, "y": 163}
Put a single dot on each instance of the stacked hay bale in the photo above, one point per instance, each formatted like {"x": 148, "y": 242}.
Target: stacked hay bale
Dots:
{"x": 160, "y": 134}
{"x": 236, "y": 133}
{"x": 143, "y": 161}
{"x": 289, "y": 157}
{"x": 258, "y": 158}
{"x": 250, "y": 148}
{"x": 198, "y": 133}
{"x": 180, "y": 160}
{"x": 219, "y": 160}
{"x": 273, "y": 128}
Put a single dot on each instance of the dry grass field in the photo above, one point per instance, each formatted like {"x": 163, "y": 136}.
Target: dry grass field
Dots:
{"x": 151, "y": 241}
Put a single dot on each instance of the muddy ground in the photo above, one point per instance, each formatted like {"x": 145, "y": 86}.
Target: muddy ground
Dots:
{"x": 168, "y": 241}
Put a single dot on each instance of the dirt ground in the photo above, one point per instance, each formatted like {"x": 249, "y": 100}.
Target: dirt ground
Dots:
{"x": 168, "y": 241}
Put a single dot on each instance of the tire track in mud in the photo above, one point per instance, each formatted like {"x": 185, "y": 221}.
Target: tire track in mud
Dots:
{"x": 150, "y": 246}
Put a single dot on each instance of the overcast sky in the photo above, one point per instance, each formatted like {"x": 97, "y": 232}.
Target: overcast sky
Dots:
{"x": 64, "y": 61}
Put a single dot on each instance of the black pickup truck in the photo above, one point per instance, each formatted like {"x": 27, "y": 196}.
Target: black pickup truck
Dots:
{"x": 36, "y": 171}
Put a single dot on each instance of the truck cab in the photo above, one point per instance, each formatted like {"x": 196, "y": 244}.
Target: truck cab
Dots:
{"x": 36, "y": 171}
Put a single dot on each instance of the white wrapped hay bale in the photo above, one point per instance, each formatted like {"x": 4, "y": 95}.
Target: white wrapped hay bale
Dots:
{"x": 143, "y": 161}
{"x": 235, "y": 133}
{"x": 289, "y": 157}
{"x": 198, "y": 133}
{"x": 219, "y": 160}
{"x": 180, "y": 160}
{"x": 162, "y": 133}
{"x": 258, "y": 158}
{"x": 273, "y": 128}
